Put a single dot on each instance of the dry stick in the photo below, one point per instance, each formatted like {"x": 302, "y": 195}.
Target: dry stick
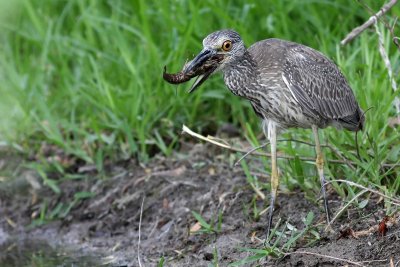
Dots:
{"x": 386, "y": 59}
{"x": 185, "y": 129}
{"x": 386, "y": 23}
{"x": 140, "y": 225}
{"x": 258, "y": 191}
{"x": 345, "y": 207}
{"x": 334, "y": 150}
{"x": 395, "y": 201}
{"x": 324, "y": 256}
{"x": 250, "y": 152}
{"x": 357, "y": 31}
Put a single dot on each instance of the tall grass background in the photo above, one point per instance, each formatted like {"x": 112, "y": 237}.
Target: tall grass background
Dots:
{"x": 86, "y": 77}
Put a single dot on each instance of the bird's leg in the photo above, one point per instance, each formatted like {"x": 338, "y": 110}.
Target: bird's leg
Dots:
{"x": 320, "y": 167}
{"x": 274, "y": 174}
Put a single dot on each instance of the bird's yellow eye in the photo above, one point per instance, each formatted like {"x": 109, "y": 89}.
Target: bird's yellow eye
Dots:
{"x": 227, "y": 45}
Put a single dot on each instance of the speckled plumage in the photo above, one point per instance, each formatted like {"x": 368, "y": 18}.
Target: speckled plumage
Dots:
{"x": 294, "y": 86}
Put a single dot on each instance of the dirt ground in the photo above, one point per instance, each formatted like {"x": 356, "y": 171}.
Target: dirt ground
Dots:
{"x": 199, "y": 178}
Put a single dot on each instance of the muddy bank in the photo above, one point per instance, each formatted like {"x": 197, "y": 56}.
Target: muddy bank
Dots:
{"x": 105, "y": 222}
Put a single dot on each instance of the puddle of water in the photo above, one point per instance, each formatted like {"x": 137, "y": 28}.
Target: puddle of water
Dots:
{"x": 40, "y": 254}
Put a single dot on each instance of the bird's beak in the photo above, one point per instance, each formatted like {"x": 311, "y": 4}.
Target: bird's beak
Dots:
{"x": 202, "y": 66}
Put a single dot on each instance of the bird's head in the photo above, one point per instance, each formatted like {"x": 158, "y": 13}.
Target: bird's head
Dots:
{"x": 220, "y": 48}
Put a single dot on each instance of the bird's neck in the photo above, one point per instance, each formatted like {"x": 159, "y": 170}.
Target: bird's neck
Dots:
{"x": 240, "y": 75}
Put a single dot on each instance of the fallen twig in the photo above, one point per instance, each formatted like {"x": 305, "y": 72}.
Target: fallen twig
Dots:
{"x": 185, "y": 129}
{"x": 334, "y": 150}
{"x": 347, "y": 204}
{"x": 140, "y": 225}
{"x": 357, "y": 31}
{"x": 395, "y": 201}
{"x": 388, "y": 65}
{"x": 258, "y": 191}
{"x": 249, "y": 152}
{"x": 324, "y": 256}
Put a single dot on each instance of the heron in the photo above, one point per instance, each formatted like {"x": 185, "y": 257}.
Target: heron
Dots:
{"x": 289, "y": 85}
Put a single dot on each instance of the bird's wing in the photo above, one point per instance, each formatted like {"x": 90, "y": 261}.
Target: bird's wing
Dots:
{"x": 318, "y": 85}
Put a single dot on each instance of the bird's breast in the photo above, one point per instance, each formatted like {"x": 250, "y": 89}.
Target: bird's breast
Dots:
{"x": 270, "y": 99}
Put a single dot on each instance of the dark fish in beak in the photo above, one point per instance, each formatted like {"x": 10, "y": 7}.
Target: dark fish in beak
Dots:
{"x": 202, "y": 66}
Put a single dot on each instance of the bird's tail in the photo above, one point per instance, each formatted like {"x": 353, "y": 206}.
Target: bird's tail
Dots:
{"x": 354, "y": 122}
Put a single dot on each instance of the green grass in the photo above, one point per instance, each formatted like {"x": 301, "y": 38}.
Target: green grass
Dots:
{"x": 208, "y": 228}
{"x": 85, "y": 76}
{"x": 285, "y": 237}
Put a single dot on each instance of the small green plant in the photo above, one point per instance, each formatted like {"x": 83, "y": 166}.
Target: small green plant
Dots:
{"x": 161, "y": 262}
{"x": 60, "y": 211}
{"x": 208, "y": 227}
{"x": 266, "y": 251}
{"x": 288, "y": 233}
{"x": 42, "y": 170}
{"x": 166, "y": 149}
{"x": 215, "y": 259}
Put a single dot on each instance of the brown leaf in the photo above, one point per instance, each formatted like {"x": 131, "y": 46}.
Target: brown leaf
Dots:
{"x": 382, "y": 228}
{"x": 346, "y": 233}
{"x": 253, "y": 237}
{"x": 195, "y": 228}
{"x": 165, "y": 203}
